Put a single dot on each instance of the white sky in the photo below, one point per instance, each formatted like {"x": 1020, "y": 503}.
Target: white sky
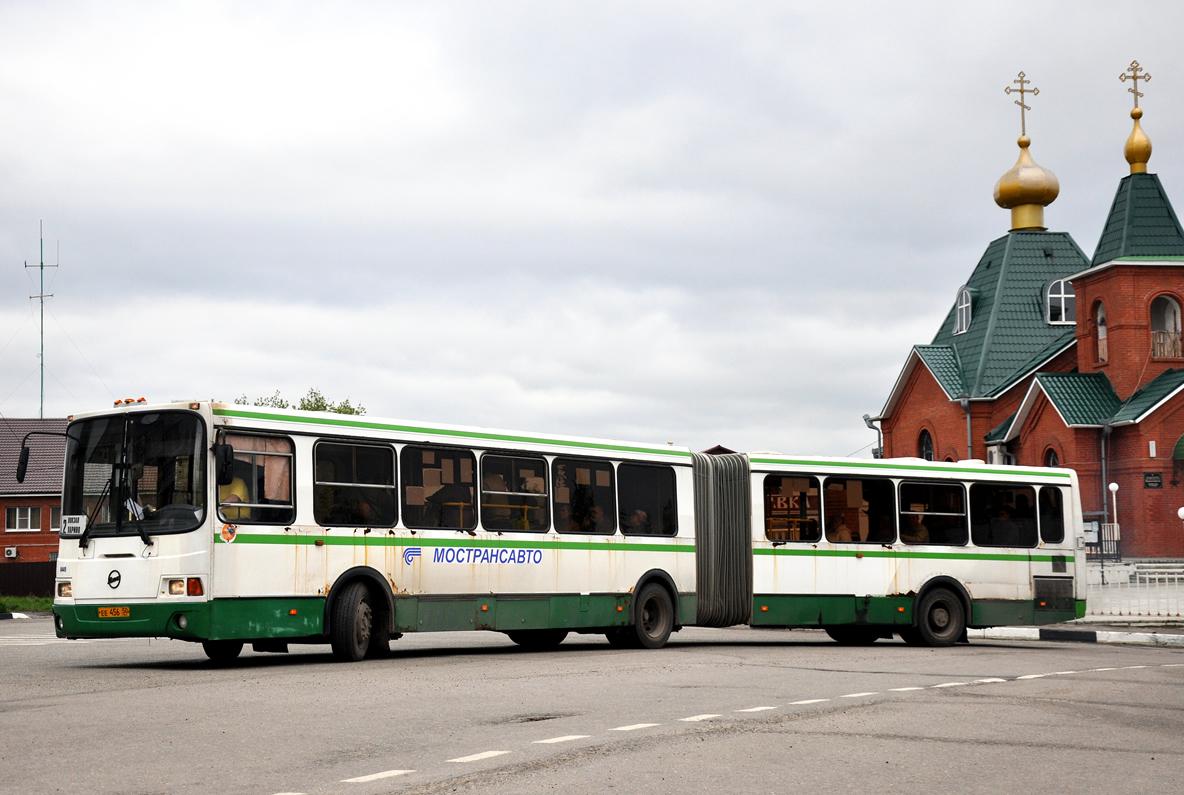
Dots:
{"x": 700, "y": 223}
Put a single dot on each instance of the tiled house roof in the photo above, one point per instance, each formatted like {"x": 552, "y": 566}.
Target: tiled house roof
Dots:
{"x": 45, "y": 459}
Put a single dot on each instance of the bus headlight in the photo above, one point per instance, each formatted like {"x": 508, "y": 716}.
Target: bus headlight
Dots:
{"x": 176, "y": 587}
{"x": 65, "y": 590}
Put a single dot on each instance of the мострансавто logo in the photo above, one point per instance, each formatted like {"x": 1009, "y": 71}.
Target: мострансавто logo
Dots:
{"x": 474, "y": 555}
{"x": 411, "y": 553}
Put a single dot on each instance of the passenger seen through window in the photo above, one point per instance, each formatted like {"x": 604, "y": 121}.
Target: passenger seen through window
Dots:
{"x": 859, "y": 510}
{"x": 583, "y": 496}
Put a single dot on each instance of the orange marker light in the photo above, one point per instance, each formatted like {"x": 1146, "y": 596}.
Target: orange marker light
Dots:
{"x": 194, "y": 587}
{"x": 484, "y": 607}
{"x": 900, "y": 609}
{"x": 292, "y": 612}
{"x": 320, "y": 542}
{"x": 619, "y": 608}
{"x": 764, "y": 608}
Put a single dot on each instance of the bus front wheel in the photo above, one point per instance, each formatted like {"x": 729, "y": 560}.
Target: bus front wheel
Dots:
{"x": 222, "y": 651}
{"x": 941, "y": 619}
{"x": 352, "y": 623}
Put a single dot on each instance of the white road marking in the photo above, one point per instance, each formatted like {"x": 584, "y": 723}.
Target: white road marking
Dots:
{"x": 696, "y": 718}
{"x": 479, "y": 757}
{"x": 564, "y": 739}
{"x": 992, "y": 680}
{"x": 903, "y": 689}
{"x": 288, "y": 793}
{"x": 1065, "y": 673}
{"x": 376, "y": 776}
{"x": 1132, "y": 667}
{"x": 1032, "y": 676}
{"x": 1105, "y": 669}
{"x": 858, "y": 695}
{"x": 950, "y": 684}
{"x": 1166, "y": 665}
{"x": 755, "y": 709}
{"x": 810, "y": 701}
{"x": 633, "y": 727}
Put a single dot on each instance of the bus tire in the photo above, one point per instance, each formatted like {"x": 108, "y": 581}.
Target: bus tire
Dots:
{"x": 353, "y": 621}
{"x": 222, "y": 651}
{"x": 911, "y": 636}
{"x": 654, "y": 617}
{"x": 941, "y": 619}
{"x": 854, "y": 635}
{"x": 621, "y": 637}
{"x": 537, "y": 639}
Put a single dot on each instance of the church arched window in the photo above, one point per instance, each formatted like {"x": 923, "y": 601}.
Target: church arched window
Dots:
{"x": 925, "y": 446}
{"x": 1165, "y": 328}
{"x": 1051, "y": 459}
{"x": 1103, "y": 334}
{"x": 1062, "y": 302}
{"x": 962, "y": 314}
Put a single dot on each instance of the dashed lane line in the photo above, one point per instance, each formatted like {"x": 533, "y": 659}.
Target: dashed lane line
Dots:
{"x": 989, "y": 681}
{"x": 860, "y": 695}
{"x": 634, "y": 727}
{"x": 1030, "y": 676}
{"x": 564, "y": 739}
{"x": 754, "y": 709}
{"x": 809, "y": 701}
{"x": 950, "y": 684}
{"x": 902, "y": 689}
{"x": 376, "y": 776}
{"x": 697, "y": 718}
{"x": 479, "y": 757}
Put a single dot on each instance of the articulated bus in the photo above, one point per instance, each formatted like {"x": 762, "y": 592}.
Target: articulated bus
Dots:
{"x": 228, "y": 525}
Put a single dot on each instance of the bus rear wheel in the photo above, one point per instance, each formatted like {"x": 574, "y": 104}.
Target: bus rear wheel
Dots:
{"x": 941, "y": 619}
{"x": 222, "y": 651}
{"x": 352, "y": 623}
{"x": 653, "y": 619}
{"x": 538, "y": 639}
{"x": 854, "y": 636}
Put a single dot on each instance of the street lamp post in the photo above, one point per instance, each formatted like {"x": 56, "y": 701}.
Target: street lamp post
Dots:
{"x": 1114, "y": 500}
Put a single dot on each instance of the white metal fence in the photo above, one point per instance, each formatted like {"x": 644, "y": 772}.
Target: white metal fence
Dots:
{"x": 1136, "y": 590}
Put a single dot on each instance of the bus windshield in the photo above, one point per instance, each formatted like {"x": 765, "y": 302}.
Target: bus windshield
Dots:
{"x": 137, "y": 474}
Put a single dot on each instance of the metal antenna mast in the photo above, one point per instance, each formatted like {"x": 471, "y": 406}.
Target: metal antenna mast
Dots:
{"x": 41, "y": 296}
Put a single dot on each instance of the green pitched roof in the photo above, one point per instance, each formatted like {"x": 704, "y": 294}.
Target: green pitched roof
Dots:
{"x": 1000, "y": 430}
{"x": 1008, "y": 335}
{"x": 942, "y": 361}
{"x": 1141, "y": 223}
{"x": 1146, "y": 398}
{"x": 1081, "y": 398}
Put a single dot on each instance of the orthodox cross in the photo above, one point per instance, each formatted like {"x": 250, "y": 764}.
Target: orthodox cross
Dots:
{"x": 1134, "y": 76}
{"x": 1021, "y": 91}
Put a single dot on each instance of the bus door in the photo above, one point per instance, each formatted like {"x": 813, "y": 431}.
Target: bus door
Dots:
{"x": 857, "y": 558}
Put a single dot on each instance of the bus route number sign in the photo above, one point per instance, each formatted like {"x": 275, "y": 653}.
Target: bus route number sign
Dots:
{"x": 73, "y": 525}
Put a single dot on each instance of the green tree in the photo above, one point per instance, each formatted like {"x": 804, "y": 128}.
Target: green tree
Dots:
{"x": 313, "y": 401}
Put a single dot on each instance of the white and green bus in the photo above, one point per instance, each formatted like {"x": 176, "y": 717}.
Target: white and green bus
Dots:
{"x": 230, "y": 525}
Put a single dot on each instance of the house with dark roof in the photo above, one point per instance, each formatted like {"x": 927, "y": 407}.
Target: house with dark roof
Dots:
{"x": 32, "y": 510}
{"x": 1052, "y": 358}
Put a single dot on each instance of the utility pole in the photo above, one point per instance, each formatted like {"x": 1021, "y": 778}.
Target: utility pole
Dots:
{"x": 41, "y": 296}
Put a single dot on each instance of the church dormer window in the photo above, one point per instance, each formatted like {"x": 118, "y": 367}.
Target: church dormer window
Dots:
{"x": 1062, "y": 302}
{"x": 925, "y": 445}
{"x": 1165, "y": 328}
{"x": 962, "y": 315}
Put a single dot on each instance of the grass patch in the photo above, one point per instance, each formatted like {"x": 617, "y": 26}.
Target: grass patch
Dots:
{"x": 26, "y": 604}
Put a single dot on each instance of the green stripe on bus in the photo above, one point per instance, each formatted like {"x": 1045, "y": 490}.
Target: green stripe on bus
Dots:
{"x": 404, "y": 541}
{"x": 893, "y": 553}
{"x": 1044, "y": 473}
{"x": 380, "y": 426}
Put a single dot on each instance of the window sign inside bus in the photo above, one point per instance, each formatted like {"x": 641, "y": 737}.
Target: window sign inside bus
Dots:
{"x": 792, "y": 511}
{"x": 355, "y": 485}
{"x": 584, "y": 499}
{"x": 439, "y": 488}
{"x": 859, "y": 510}
{"x": 514, "y": 494}
{"x": 1002, "y": 515}
{"x": 933, "y": 513}
{"x": 261, "y": 489}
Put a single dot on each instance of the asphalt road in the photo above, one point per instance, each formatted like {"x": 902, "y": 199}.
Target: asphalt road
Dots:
{"x": 720, "y": 711}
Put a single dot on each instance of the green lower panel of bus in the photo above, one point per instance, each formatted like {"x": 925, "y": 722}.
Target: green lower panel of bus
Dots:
{"x": 780, "y": 610}
{"x": 220, "y": 619}
{"x": 510, "y": 612}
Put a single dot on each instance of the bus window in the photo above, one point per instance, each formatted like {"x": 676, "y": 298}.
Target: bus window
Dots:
{"x": 647, "y": 500}
{"x": 438, "y": 488}
{"x": 1002, "y": 515}
{"x": 261, "y": 491}
{"x": 860, "y": 510}
{"x": 514, "y": 493}
{"x": 791, "y": 508}
{"x": 354, "y": 485}
{"x": 1052, "y": 515}
{"x": 583, "y": 496}
{"x": 933, "y": 513}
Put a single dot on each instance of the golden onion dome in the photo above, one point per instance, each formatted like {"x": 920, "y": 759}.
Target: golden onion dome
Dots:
{"x": 1138, "y": 145}
{"x": 1026, "y": 190}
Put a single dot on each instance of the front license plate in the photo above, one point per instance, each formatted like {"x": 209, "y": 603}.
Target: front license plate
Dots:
{"x": 115, "y": 612}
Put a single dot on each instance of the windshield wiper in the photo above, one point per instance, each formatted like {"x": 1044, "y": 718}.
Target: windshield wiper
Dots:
{"x": 90, "y": 520}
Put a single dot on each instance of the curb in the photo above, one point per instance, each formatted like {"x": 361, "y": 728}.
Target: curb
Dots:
{"x": 12, "y": 615}
{"x": 1078, "y": 636}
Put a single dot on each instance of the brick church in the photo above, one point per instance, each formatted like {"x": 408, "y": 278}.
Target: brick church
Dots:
{"x": 1049, "y": 357}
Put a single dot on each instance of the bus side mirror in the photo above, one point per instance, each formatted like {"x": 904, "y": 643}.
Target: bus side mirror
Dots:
{"x": 224, "y": 464}
{"x": 22, "y": 465}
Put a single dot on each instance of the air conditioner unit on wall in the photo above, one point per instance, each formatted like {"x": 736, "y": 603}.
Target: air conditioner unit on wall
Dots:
{"x": 10, "y": 552}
